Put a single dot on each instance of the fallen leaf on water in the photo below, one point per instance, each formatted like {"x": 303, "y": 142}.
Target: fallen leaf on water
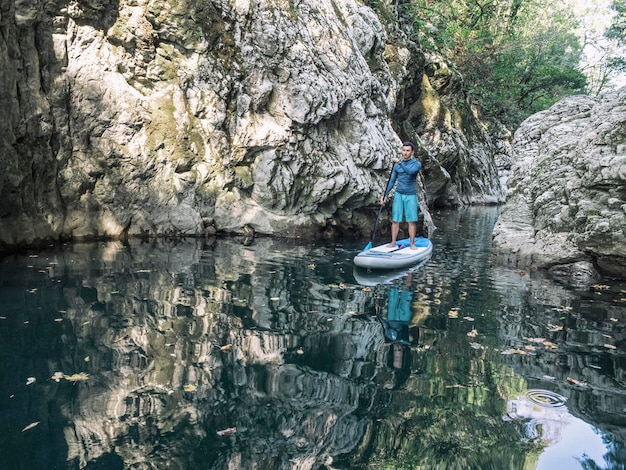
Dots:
{"x": 57, "y": 376}
{"x": 190, "y": 387}
{"x": 300, "y": 351}
{"x": 536, "y": 340}
{"x": 514, "y": 351}
{"x": 600, "y": 286}
{"x": 522, "y": 273}
{"x": 530, "y": 347}
{"x": 30, "y": 380}
{"x": 552, "y": 327}
{"x": 311, "y": 266}
{"x": 226, "y": 347}
{"x": 477, "y": 346}
{"x": 472, "y": 334}
{"x": 453, "y": 314}
{"x": 609, "y": 346}
{"x": 574, "y": 381}
{"x": 275, "y": 298}
{"x": 614, "y": 319}
{"x": 227, "y": 432}
{"x": 30, "y": 426}
{"x": 468, "y": 318}
{"x": 58, "y": 320}
{"x": 76, "y": 377}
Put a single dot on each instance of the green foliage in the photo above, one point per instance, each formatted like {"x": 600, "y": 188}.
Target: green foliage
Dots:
{"x": 517, "y": 56}
{"x": 617, "y": 30}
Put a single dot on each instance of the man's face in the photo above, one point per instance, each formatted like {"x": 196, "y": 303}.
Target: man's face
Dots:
{"x": 406, "y": 151}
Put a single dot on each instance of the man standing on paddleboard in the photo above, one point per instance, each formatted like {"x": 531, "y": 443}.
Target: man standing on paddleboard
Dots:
{"x": 405, "y": 199}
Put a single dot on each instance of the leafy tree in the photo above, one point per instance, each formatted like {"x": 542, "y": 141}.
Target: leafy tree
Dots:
{"x": 517, "y": 56}
{"x": 617, "y": 30}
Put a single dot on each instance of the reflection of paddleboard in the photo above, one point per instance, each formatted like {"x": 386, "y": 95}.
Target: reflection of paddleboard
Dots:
{"x": 396, "y": 257}
{"x": 367, "y": 277}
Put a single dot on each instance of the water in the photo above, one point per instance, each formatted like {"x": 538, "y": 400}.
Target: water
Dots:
{"x": 215, "y": 355}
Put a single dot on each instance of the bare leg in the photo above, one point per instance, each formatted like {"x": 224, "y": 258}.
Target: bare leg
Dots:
{"x": 395, "y": 229}
{"x": 412, "y": 230}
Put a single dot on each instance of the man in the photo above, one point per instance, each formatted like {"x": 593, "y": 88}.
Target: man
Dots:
{"x": 405, "y": 199}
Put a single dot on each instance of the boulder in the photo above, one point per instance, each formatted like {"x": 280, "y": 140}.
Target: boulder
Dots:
{"x": 566, "y": 199}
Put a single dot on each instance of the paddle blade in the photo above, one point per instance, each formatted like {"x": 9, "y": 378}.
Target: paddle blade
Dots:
{"x": 368, "y": 246}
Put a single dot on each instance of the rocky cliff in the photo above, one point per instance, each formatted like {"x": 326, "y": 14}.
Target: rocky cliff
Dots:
{"x": 566, "y": 203}
{"x": 149, "y": 118}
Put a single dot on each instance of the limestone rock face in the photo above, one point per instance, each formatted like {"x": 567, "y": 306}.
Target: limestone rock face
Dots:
{"x": 145, "y": 117}
{"x": 567, "y": 191}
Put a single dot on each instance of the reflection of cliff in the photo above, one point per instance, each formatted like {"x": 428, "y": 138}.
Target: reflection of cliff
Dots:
{"x": 570, "y": 344}
{"x": 179, "y": 345}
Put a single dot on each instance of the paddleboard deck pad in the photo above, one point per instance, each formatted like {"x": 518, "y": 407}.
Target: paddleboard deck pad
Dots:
{"x": 394, "y": 257}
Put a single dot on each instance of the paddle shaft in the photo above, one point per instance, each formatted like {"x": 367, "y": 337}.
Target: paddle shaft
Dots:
{"x": 369, "y": 245}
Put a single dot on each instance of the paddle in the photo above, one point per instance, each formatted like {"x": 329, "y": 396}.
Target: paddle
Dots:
{"x": 370, "y": 243}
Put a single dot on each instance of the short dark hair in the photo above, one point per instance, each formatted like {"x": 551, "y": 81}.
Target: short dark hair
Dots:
{"x": 409, "y": 144}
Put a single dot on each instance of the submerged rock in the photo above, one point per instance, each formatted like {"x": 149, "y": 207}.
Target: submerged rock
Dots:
{"x": 567, "y": 191}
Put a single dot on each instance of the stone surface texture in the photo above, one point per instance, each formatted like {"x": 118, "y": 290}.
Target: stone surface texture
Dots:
{"x": 566, "y": 202}
{"x": 153, "y": 118}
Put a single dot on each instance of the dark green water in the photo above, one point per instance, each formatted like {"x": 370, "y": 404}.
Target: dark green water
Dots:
{"x": 216, "y": 355}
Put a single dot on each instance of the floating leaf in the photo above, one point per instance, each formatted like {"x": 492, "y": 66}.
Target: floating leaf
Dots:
{"x": 190, "y": 387}
{"x": 227, "y": 432}
{"x": 311, "y": 266}
{"x": 477, "y": 346}
{"x": 472, "y": 334}
{"x": 275, "y": 298}
{"x": 609, "y": 346}
{"x": 522, "y": 273}
{"x": 31, "y": 426}
{"x": 300, "y": 350}
{"x": 468, "y": 318}
{"x": 226, "y": 347}
{"x": 600, "y": 287}
{"x": 552, "y": 327}
{"x": 574, "y": 381}
{"x": 536, "y": 340}
{"x": 57, "y": 376}
{"x": 81, "y": 376}
{"x": 453, "y": 314}
{"x": 30, "y": 380}
{"x": 614, "y": 319}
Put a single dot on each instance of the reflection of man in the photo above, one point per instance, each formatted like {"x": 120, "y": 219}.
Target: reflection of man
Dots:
{"x": 396, "y": 327}
{"x": 396, "y": 323}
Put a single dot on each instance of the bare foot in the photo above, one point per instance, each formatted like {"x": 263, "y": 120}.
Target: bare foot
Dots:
{"x": 413, "y": 247}
{"x": 391, "y": 245}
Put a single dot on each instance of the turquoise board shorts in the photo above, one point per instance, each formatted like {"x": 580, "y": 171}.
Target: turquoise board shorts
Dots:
{"x": 399, "y": 308}
{"x": 404, "y": 204}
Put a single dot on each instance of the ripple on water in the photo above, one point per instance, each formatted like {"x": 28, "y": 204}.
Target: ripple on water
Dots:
{"x": 545, "y": 398}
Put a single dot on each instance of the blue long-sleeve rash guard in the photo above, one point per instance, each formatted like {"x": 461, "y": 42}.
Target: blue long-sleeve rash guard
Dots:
{"x": 404, "y": 171}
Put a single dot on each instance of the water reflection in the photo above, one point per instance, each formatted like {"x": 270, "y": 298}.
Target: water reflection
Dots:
{"x": 211, "y": 354}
